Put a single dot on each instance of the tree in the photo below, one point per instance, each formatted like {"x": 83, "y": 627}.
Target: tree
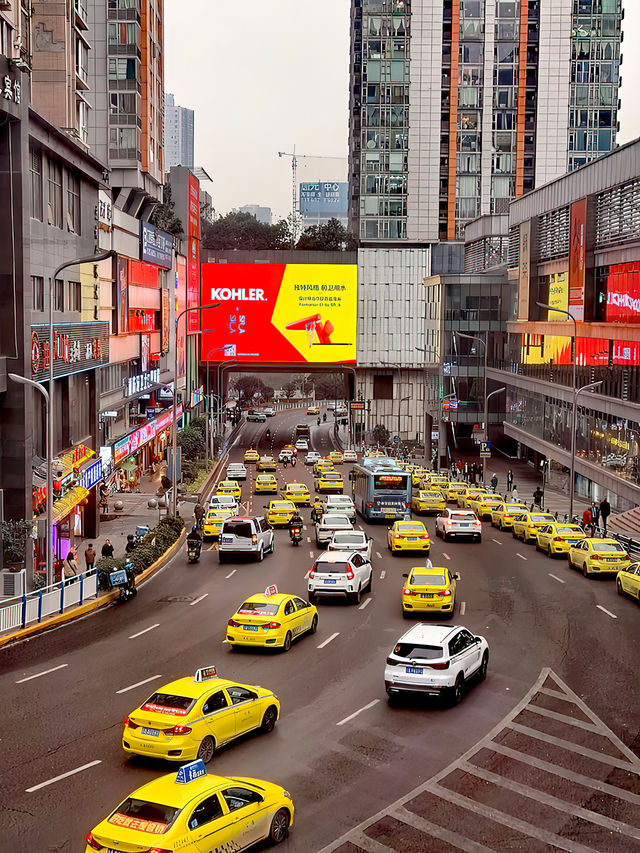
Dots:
{"x": 249, "y": 386}
{"x": 380, "y": 435}
{"x": 328, "y": 386}
{"x": 164, "y": 215}
{"x": 239, "y": 230}
{"x": 290, "y": 388}
{"x": 330, "y": 236}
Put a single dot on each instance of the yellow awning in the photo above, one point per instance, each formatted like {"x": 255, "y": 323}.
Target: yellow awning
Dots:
{"x": 63, "y": 506}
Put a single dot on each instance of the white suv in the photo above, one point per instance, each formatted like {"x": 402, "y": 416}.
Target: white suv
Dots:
{"x": 459, "y": 522}
{"x": 312, "y": 457}
{"x": 326, "y": 526}
{"x": 342, "y": 573}
{"x": 437, "y": 660}
{"x": 250, "y": 535}
{"x": 351, "y": 540}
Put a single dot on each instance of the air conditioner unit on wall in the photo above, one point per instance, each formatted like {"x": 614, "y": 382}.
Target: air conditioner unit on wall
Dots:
{"x": 13, "y": 583}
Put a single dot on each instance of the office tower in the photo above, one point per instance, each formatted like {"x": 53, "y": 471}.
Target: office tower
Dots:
{"x": 178, "y": 134}
{"x": 459, "y": 106}
{"x": 262, "y": 214}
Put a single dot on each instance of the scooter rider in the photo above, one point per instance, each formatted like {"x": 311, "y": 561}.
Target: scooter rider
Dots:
{"x": 199, "y": 514}
{"x": 316, "y": 509}
{"x": 268, "y": 433}
{"x": 318, "y": 421}
{"x": 194, "y": 544}
{"x": 296, "y": 521}
{"x": 194, "y": 536}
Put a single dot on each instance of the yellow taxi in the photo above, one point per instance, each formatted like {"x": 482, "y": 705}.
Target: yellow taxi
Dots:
{"x": 298, "y": 494}
{"x": 329, "y": 483}
{"x": 229, "y": 487}
{"x": 429, "y": 500}
{"x": 313, "y": 410}
{"x": 468, "y": 494}
{"x": 213, "y": 522}
{"x": 374, "y": 454}
{"x": 266, "y": 463}
{"x": 628, "y": 581}
{"x": 417, "y": 475}
{"x": 408, "y": 536}
{"x": 453, "y": 490}
{"x": 271, "y": 619}
{"x": 526, "y": 526}
{"x": 436, "y": 481}
{"x": 484, "y": 504}
{"x": 429, "y": 589}
{"x": 598, "y": 557}
{"x": 557, "y": 538}
{"x": 266, "y": 484}
{"x": 279, "y": 513}
{"x": 322, "y": 465}
{"x": 251, "y": 456}
{"x": 192, "y": 717}
{"x": 193, "y": 811}
{"x": 502, "y": 516}
{"x": 336, "y": 457}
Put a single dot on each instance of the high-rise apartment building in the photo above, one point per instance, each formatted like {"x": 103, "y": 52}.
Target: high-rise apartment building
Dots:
{"x": 459, "y": 106}
{"x": 178, "y": 134}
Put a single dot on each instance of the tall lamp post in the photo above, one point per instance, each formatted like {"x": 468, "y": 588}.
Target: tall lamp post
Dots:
{"x": 402, "y": 400}
{"x": 576, "y": 393}
{"x": 484, "y": 461}
{"x": 49, "y": 443}
{"x": 426, "y": 350}
{"x": 574, "y": 348}
{"x": 483, "y": 341}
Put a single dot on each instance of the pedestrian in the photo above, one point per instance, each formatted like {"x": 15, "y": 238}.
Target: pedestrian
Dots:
{"x": 90, "y": 557}
{"x": 70, "y": 565}
{"x": 460, "y": 467}
{"x": 494, "y": 482}
{"x": 605, "y": 512}
{"x": 514, "y": 493}
{"x": 537, "y": 496}
{"x": 466, "y": 470}
{"x": 509, "y": 479}
{"x": 587, "y": 519}
{"x": 595, "y": 512}
{"x": 107, "y": 549}
{"x": 131, "y": 544}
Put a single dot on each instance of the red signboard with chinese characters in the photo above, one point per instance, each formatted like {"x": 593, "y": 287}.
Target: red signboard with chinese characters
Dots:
{"x": 193, "y": 260}
{"x": 577, "y": 257}
{"x": 76, "y": 347}
{"x": 143, "y": 274}
{"x": 623, "y": 293}
{"x": 142, "y": 320}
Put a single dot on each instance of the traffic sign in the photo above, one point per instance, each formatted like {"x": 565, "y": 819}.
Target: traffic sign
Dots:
{"x": 446, "y": 404}
{"x": 453, "y": 403}
{"x": 485, "y": 449}
{"x": 357, "y": 405}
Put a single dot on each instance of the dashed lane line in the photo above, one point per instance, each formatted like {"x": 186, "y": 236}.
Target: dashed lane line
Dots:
{"x": 198, "y": 600}
{"x": 364, "y": 604}
{"x": 555, "y": 578}
{"x": 608, "y": 612}
{"x": 383, "y": 575}
{"x": 378, "y": 555}
{"x": 311, "y": 554}
{"x": 329, "y": 640}
{"x": 62, "y": 776}
{"x": 446, "y": 556}
{"x": 231, "y": 574}
{"x": 522, "y": 557}
{"x": 144, "y": 631}
{"x": 356, "y": 713}
{"x": 44, "y": 672}
{"x": 497, "y": 541}
{"x": 463, "y": 607}
{"x": 138, "y": 684}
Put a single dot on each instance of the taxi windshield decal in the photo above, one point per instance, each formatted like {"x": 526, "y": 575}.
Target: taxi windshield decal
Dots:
{"x": 151, "y": 826}
{"x": 164, "y": 709}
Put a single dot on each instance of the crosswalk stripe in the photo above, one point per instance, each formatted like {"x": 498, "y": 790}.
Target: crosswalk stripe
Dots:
{"x": 439, "y": 832}
{"x": 572, "y": 747}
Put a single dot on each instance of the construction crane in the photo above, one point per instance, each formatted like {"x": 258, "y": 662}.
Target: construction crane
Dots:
{"x": 294, "y": 182}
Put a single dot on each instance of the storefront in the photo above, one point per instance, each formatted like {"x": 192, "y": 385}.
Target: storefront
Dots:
{"x": 137, "y": 452}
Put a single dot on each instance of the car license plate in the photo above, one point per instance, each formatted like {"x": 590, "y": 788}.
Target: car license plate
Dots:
{"x": 330, "y": 580}
{"x": 150, "y": 732}
{"x": 227, "y": 540}
{"x": 427, "y": 595}
{"x": 412, "y": 538}
{"x": 572, "y": 541}
{"x": 414, "y": 670}
{"x": 389, "y": 515}
{"x": 612, "y": 559}
{"x": 464, "y": 524}
{"x": 249, "y": 627}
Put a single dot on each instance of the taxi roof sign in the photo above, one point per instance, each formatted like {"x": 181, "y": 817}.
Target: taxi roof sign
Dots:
{"x": 205, "y": 673}
{"x": 191, "y": 771}
{"x": 271, "y": 590}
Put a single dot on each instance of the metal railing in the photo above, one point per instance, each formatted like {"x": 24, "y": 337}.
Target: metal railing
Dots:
{"x": 35, "y": 606}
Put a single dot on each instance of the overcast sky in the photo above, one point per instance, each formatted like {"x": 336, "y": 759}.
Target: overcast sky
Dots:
{"x": 265, "y": 76}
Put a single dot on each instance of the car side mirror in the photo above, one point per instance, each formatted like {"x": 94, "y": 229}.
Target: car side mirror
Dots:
{"x": 405, "y": 575}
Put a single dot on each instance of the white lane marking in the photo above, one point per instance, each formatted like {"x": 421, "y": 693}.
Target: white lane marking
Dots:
{"x": 230, "y": 575}
{"x": 138, "y": 684}
{"x": 62, "y": 776}
{"x": 355, "y": 714}
{"x": 197, "y": 600}
{"x": 329, "y": 639}
{"x": 311, "y": 554}
{"x": 518, "y": 554}
{"x": 140, "y": 633}
{"x": 446, "y": 556}
{"x": 383, "y": 575}
{"x": 307, "y": 575}
{"x": 378, "y": 555}
{"x": 463, "y": 607}
{"x": 608, "y": 612}
{"x": 309, "y": 539}
{"x": 364, "y": 604}
{"x": 555, "y": 578}
{"x": 497, "y": 541}
{"x": 44, "y": 672}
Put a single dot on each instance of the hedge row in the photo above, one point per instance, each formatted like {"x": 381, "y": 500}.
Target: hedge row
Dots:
{"x": 150, "y": 548}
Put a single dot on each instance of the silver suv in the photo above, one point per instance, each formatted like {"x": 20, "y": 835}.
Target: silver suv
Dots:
{"x": 250, "y": 535}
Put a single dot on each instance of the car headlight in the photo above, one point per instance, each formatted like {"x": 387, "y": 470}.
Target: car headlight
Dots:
{"x": 287, "y": 795}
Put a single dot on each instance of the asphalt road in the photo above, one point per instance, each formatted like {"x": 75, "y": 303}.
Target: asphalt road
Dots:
{"x": 536, "y": 614}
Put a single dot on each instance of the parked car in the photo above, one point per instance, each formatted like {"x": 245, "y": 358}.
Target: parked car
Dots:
{"x": 343, "y": 573}
{"x": 329, "y": 523}
{"x": 246, "y": 535}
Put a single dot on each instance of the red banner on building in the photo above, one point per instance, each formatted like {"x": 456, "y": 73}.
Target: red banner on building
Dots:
{"x": 577, "y": 258}
{"x": 193, "y": 261}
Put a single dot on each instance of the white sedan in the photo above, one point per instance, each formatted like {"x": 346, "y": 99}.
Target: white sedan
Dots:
{"x": 340, "y": 573}
{"x": 351, "y": 540}
{"x": 437, "y": 660}
{"x": 312, "y": 457}
{"x": 350, "y": 456}
{"x": 302, "y": 444}
{"x": 458, "y": 522}
{"x": 326, "y": 527}
{"x": 236, "y": 471}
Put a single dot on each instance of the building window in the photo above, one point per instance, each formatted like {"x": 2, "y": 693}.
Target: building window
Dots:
{"x": 58, "y": 295}
{"x": 83, "y": 121}
{"x": 55, "y": 194}
{"x": 75, "y": 296}
{"x": 73, "y": 203}
{"x": 37, "y": 293}
{"x": 382, "y": 387}
{"x": 36, "y": 183}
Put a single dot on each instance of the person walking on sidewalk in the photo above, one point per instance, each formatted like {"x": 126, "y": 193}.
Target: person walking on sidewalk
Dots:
{"x": 587, "y": 520}
{"x": 537, "y": 496}
{"x": 509, "y": 479}
{"x": 514, "y": 493}
{"x": 595, "y": 512}
{"x": 90, "y": 557}
{"x": 70, "y": 565}
{"x": 107, "y": 548}
{"x": 605, "y": 512}
{"x": 494, "y": 482}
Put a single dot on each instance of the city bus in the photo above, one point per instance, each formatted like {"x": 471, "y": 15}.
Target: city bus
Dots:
{"x": 303, "y": 431}
{"x": 381, "y": 490}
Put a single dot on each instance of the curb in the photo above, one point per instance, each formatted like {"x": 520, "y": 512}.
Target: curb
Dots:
{"x": 90, "y": 607}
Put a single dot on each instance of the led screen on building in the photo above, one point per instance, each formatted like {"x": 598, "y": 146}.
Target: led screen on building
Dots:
{"x": 279, "y": 313}
{"x": 623, "y": 293}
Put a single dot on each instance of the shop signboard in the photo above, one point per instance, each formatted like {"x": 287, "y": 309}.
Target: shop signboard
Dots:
{"x": 91, "y": 475}
{"x": 181, "y": 304}
{"x": 143, "y": 381}
{"x": 197, "y": 396}
{"x": 324, "y": 198}
{"x": 558, "y": 296}
{"x": 166, "y": 320}
{"x": 145, "y": 354}
{"x": 524, "y": 270}
{"x": 77, "y": 347}
{"x": 142, "y": 320}
{"x": 193, "y": 247}
{"x": 156, "y": 246}
{"x": 139, "y": 437}
{"x": 623, "y": 293}
{"x": 280, "y": 313}
{"x": 577, "y": 258}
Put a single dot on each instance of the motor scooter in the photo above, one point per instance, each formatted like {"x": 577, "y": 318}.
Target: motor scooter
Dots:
{"x": 194, "y": 547}
{"x": 124, "y": 580}
{"x": 295, "y": 534}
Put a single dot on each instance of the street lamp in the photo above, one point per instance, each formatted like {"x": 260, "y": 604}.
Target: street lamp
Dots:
{"x": 576, "y": 393}
{"x": 402, "y": 400}
{"x": 47, "y": 403}
{"x": 426, "y": 350}
{"x": 573, "y": 383}
{"x": 484, "y": 461}
{"x": 486, "y": 411}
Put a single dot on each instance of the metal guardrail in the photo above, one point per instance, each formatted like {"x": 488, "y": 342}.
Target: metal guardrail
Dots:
{"x": 35, "y": 606}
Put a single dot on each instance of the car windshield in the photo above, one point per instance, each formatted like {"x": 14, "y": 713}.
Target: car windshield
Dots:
{"x": 341, "y": 499}
{"x": 237, "y": 528}
{"x": 428, "y": 580}
{"x": 170, "y": 703}
{"x": 336, "y": 520}
{"x": 259, "y": 608}
{"x": 144, "y": 816}
{"x": 281, "y": 505}
{"x": 608, "y": 546}
{"x": 332, "y": 476}
{"x": 417, "y": 651}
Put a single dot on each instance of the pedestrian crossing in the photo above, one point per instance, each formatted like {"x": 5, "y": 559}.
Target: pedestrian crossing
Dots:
{"x": 551, "y": 776}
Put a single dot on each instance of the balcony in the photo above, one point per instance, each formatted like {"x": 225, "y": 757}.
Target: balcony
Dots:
{"x": 81, "y": 19}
